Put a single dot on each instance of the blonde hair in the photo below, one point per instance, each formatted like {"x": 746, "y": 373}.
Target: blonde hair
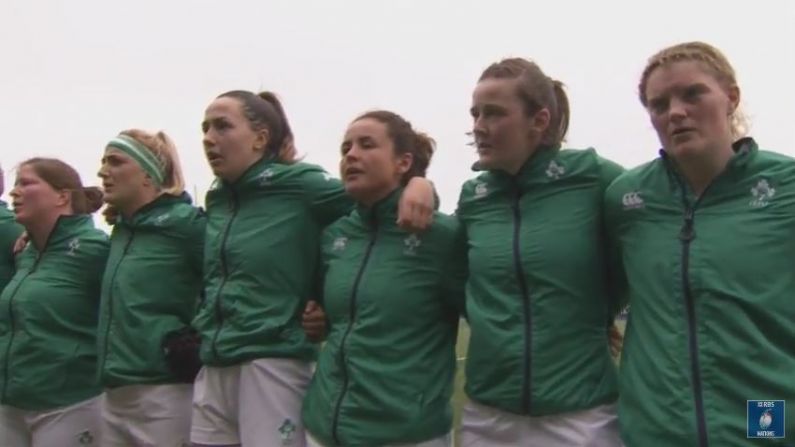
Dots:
{"x": 166, "y": 152}
{"x": 709, "y": 56}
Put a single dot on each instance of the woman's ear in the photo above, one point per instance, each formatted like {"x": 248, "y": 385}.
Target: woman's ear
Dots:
{"x": 261, "y": 140}
{"x": 539, "y": 123}
{"x": 404, "y": 163}
{"x": 733, "y": 92}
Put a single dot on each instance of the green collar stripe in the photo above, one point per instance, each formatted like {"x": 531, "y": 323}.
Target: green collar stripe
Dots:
{"x": 142, "y": 155}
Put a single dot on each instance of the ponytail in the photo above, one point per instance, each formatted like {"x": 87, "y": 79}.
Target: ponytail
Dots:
{"x": 422, "y": 153}
{"x": 163, "y": 148}
{"x": 405, "y": 139}
{"x": 87, "y": 200}
{"x": 537, "y": 91}
{"x": 62, "y": 177}
{"x": 174, "y": 182}
{"x": 281, "y": 143}
{"x": 559, "y": 124}
{"x": 265, "y": 111}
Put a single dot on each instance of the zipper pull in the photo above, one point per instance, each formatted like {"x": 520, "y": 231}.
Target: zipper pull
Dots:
{"x": 688, "y": 233}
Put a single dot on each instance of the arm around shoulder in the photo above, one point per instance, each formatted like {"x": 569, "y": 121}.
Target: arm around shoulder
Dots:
{"x": 608, "y": 171}
{"x": 326, "y": 195}
{"x": 457, "y": 269}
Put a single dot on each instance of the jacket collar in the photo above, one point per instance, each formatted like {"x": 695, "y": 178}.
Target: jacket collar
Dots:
{"x": 154, "y": 209}
{"x": 65, "y": 230}
{"x": 744, "y": 151}
{"x": 382, "y": 212}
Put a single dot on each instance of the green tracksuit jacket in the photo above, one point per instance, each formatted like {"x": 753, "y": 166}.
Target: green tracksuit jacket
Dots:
{"x": 48, "y": 319}
{"x": 711, "y": 282}
{"x": 151, "y": 287}
{"x": 261, "y": 259}
{"x": 393, "y": 301}
{"x": 538, "y": 299}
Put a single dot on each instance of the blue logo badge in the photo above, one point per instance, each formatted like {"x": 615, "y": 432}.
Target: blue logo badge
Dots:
{"x": 765, "y": 418}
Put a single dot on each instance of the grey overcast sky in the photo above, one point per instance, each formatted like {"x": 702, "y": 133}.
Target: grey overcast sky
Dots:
{"x": 76, "y": 72}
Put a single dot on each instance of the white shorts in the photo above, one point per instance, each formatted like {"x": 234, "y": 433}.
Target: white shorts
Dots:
{"x": 257, "y": 403}
{"x": 147, "y": 416}
{"x": 483, "y": 426}
{"x": 443, "y": 441}
{"x": 73, "y": 426}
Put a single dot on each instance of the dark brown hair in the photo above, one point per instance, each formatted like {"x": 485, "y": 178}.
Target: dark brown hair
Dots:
{"x": 62, "y": 177}
{"x": 265, "y": 111}
{"x": 405, "y": 140}
{"x": 537, "y": 91}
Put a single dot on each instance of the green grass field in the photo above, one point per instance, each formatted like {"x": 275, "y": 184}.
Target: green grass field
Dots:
{"x": 458, "y": 394}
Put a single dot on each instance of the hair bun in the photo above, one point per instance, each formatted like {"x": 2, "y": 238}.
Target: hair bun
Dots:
{"x": 93, "y": 197}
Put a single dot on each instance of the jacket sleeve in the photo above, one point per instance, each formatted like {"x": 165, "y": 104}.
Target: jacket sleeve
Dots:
{"x": 195, "y": 233}
{"x": 436, "y": 199}
{"x": 616, "y": 276}
{"x": 9, "y": 233}
{"x": 608, "y": 172}
{"x": 455, "y": 273}
{"x": 327, "y": 197}
{"x": 320, "y": 279}
{"x": 96, "y": 258}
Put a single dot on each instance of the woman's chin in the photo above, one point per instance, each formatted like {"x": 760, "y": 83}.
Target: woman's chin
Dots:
{"x": 355, "y": 188}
